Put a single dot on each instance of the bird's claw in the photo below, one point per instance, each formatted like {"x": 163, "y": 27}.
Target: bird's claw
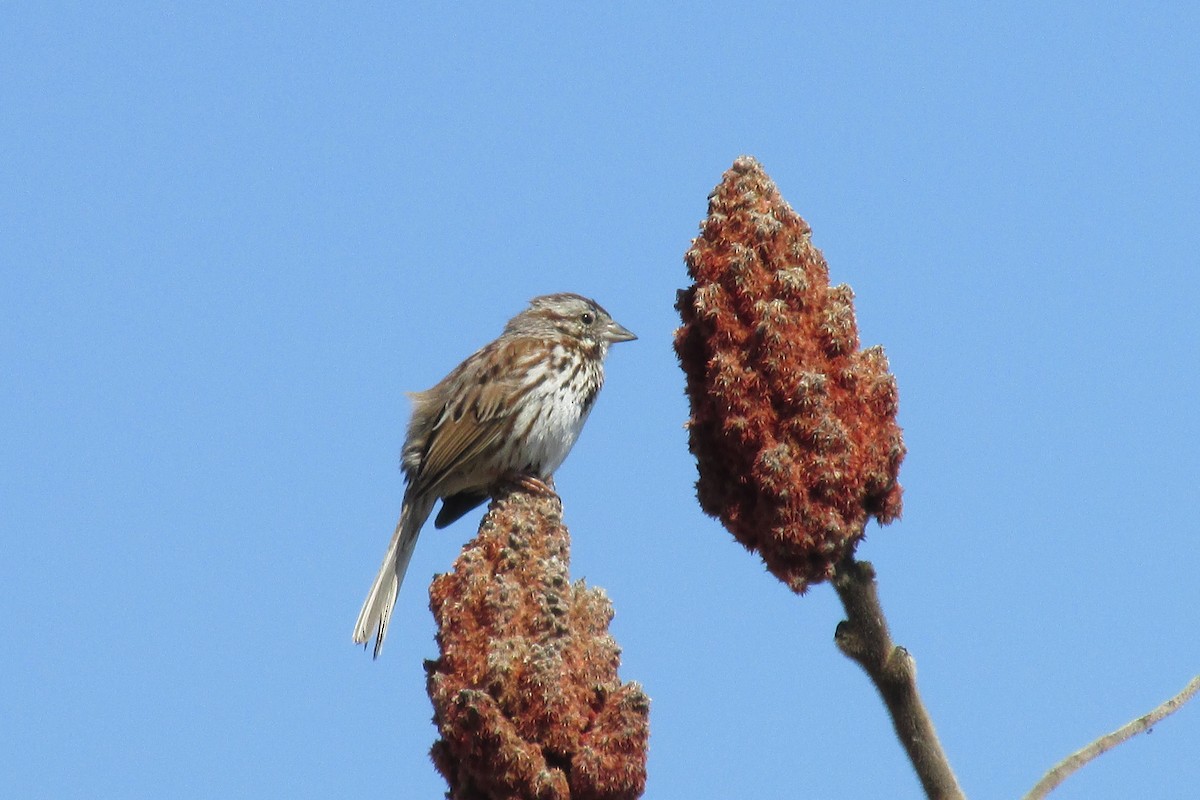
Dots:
{"x": 533, "y": 484}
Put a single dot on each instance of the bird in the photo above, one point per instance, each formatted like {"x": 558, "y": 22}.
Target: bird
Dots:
{"x": 511, "y": 411}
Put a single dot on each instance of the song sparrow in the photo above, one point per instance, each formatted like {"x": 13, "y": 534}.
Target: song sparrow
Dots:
{"x": 513, "y": 410}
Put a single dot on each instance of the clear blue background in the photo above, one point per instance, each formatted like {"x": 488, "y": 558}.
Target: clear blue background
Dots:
{"x": 233, "y": 236}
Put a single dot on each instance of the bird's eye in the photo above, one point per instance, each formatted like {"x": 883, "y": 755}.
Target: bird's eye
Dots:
{"x": 587, "y": 318}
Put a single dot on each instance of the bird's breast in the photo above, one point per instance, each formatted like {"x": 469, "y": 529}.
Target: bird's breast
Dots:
{"x": 555, "y": 411}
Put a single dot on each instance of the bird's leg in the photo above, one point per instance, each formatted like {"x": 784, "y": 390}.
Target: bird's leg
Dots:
{"x": 532, "y": 483}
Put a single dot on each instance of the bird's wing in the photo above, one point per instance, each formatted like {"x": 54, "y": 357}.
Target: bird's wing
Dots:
{"x": 484, "y": 395}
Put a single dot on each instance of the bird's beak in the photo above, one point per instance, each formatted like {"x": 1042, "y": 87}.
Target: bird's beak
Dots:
{"x": 615, "y": 332}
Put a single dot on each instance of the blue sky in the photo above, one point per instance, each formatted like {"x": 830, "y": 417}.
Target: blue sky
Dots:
{"x": 234, "y": 235}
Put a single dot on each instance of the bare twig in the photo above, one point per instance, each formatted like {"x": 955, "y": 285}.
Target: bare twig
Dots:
{"x": 1063, "y": 769}
{"x": 863, "y": 637}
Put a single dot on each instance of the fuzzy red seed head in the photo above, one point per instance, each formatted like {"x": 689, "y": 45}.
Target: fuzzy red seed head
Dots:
{"x": 526, "y": 694}
{"x": 793, "y": 426}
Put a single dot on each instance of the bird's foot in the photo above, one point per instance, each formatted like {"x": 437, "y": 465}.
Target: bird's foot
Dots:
{"x": 532, "y": 483}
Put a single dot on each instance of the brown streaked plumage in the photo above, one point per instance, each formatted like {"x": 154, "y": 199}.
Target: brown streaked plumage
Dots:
{"x": 513, "y": 409}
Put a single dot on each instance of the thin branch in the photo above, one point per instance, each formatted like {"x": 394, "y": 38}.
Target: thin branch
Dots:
{"x": 863, "y": 637}
{"x": 1063, "y": 769}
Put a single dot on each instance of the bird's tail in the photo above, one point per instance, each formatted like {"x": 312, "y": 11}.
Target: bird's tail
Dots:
{"x": 377, "y": 609}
